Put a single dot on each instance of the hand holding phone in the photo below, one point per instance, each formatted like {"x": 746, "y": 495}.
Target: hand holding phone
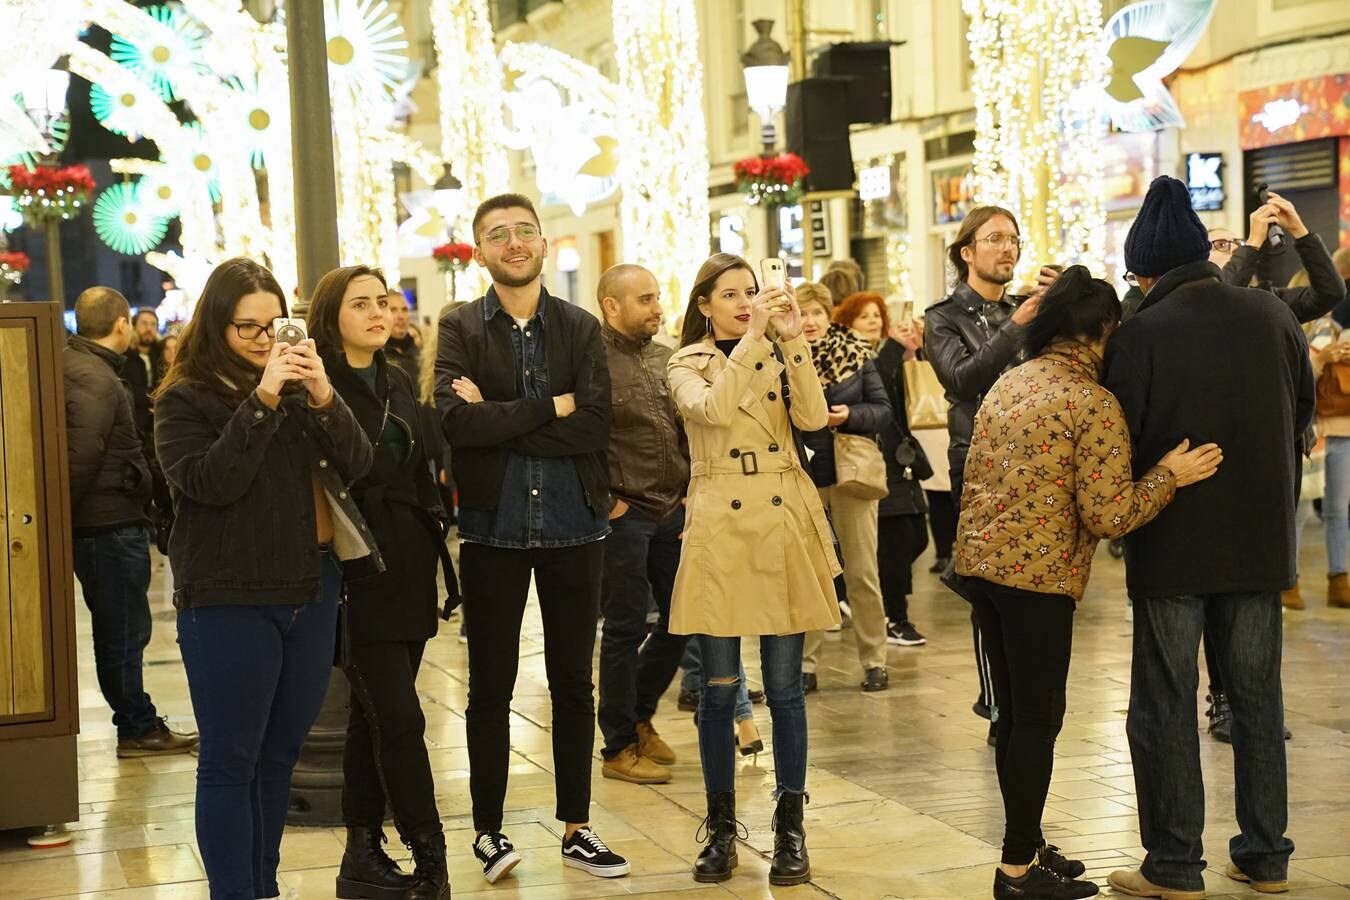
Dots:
{"x": 773, "y": 276}
{"x": 1274, "y": 234}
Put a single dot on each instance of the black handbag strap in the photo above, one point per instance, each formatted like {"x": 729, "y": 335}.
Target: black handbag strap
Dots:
{"x": 798, "y": 441}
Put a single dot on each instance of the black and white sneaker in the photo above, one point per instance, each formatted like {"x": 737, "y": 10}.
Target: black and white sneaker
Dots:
{"x": 904, "y": 634}
{"x": 1041, "y": 883}
{"x": 586, "y": 851}
{"x": 496, "y": 853}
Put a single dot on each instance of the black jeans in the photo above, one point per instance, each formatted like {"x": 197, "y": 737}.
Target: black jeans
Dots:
{"x": 385, "y": 758}
{"x": 1029, "y": 638}
{"x": 1247, "y": 634}
{"x": 641, "y": 557}
{"x": 900, "y": 540}
{"x": 942, "y": 521}
{"x": 496, "y": 584}
{"x": 114, "y": 573}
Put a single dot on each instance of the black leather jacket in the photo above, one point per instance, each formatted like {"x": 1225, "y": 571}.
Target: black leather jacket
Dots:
{"x": 970, "y": 342}
{"x": 244, "y": 499}
{"x": 1325, "y": 287}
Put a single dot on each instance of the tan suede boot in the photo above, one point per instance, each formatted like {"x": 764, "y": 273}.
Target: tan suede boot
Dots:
{"x": 1338, "y": 591}
{"x": 1292, "y": 599}
{"x": 629, "y": 766}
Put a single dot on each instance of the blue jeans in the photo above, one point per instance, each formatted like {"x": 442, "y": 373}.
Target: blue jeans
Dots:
{"x": 641, "y": 557}
{"x": 1336, "y": 504}
{"x": 114, "y": 573}
{"x": 692, "y": 681}
{"x": 1245, "y": 630}
{"x": 257, "y": 676}
{"x": 781, "y": 660}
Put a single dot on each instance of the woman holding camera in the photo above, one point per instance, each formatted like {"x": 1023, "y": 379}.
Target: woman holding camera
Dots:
{"x": 389, "y": 615}
{"x": 858, "y": 405}
{"x": 259, "y": 452}
{"x": 1048, "y": 475}
{"x": 757, "y": 559}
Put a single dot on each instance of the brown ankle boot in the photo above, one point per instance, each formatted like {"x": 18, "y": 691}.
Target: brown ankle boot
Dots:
{"x": 1292, "y": 599}
{"x": 1338, "y": 591}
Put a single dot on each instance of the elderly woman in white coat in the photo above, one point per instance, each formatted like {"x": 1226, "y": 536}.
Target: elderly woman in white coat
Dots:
{"x": 758, "y": 557}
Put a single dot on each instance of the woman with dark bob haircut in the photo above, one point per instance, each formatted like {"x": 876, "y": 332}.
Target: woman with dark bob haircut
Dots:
{"x": 1049, "y": 474}
{"x": 260, "y": 453}
{"x": 388, "y": 616}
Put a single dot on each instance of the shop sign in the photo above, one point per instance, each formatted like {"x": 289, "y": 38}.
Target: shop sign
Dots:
{"x": 874, "y": 183}
{"x": 1294, "y": 112}
{"x": 1204, "y": 179}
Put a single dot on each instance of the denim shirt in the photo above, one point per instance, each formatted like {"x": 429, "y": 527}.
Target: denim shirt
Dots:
{"x": 542, "y": 501}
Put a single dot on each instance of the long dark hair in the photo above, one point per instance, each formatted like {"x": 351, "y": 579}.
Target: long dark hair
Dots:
{"x": 695, "y": 326}
{"x": 204, "y": 358}
{"x": 972, "y": 223}
{"x": 326, "y": 304}
{"x": 1075, "y": 306}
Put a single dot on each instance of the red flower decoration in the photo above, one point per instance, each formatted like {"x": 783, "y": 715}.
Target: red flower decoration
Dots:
{"x": 46, "y": 192}
{"x": 772, "y": 180}
{"x": 15, "y": 262}
{"x": 453, "y": 257}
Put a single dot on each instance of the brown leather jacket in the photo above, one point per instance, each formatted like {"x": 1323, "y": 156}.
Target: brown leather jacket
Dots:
{"x": 648, "y": 452}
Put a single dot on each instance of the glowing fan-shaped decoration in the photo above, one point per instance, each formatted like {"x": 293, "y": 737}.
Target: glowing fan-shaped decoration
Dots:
{"x": 254, "y": 115}
{"x": 115, "y": 113}
{"x": 123, "y": 222}
{"x": 1146, "y": 41}
{"x": 10, "y": 216}
{"x": 176, "y": 48}
{"x": 160, "y": 194}
{"x": 365, "y": 49}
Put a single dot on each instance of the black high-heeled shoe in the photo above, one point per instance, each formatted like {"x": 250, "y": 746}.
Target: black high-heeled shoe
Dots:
{"x": 754, "y": 748}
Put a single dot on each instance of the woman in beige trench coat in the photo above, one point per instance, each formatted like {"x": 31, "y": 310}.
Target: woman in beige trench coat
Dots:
{"x": 758, "y": 558}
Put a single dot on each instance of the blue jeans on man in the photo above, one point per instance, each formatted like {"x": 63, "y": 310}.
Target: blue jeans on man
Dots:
{"x": 1246, "y": 631}
{"x": 113, "y": 568}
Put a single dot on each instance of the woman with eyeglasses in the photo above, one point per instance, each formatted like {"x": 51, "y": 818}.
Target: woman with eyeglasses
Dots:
{"x": 758, "y": 559}
{"x": 388, "y": 616}
{"x": 260, "y": 453}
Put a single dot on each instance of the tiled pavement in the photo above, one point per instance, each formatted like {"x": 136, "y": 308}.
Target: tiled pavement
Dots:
{"x": 904, "y": 801}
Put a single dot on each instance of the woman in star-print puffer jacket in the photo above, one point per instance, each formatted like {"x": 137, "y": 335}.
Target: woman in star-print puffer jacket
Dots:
{"x": 1048, "y": 476}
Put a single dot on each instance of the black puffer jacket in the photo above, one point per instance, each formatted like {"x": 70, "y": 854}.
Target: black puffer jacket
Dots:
{"x": 906, "y": 494}
{"x": 970, "y": 342}
{"x": 110, "y": 481}
{"x": 243, "y": 495}
{"x": 402, "y": 507}
{"x": 869, "y": 413}
{"x": 1325, "y": 287}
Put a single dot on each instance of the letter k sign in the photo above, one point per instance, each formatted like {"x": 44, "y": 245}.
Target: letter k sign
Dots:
{"x": 1203, "y": 171}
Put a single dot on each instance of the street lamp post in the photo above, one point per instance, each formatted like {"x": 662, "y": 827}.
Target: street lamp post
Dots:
{"x": 765, "y": 64}
{"x": 45, "y": 102}
{"x": 446, "y": 195}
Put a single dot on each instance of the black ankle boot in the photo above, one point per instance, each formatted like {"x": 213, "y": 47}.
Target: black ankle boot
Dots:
{"x": 719, "y": 856}
{"x": 433, "y": 878}
{"x": 790, "y": 864}
{"x": 367, "y": 872}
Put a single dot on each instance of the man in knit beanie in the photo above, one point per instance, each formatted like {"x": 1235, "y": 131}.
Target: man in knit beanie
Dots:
{"x": 1207, "y": 361}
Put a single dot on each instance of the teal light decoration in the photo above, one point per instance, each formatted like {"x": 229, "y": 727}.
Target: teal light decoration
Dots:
{"x": 159, "y": 61}
{"x": 123, "y": 222}
{"x": 115, "y": 113}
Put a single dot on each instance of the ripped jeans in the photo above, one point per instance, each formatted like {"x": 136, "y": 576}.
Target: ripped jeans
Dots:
{"x": 781, "y": 663}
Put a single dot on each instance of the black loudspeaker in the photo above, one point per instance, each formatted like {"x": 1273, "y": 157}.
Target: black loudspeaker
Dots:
{"x": 868, "y": 68}
{"x": 817, "y": 131}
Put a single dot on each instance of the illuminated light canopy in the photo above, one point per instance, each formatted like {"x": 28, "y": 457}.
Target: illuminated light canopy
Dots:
{"x": 124, "y": 223}
{"x": 117, "y": 113}
{"x": 1037, "y": 129}
{"x": 163, "y": 54}
{"x": 365, "y": 49}
{"x": 1146, "y": 42}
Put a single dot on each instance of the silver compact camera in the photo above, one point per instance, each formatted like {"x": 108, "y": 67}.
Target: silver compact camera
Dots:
{"x": 289, "y": 331}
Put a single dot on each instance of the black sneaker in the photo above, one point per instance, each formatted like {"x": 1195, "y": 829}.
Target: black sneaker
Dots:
{"x": 1040, "y": 883}
{"x": 1220, "y": 717}
{"x": 587, "y": 852}
{"x": 496, "y": 853}
{"x": 809, "y": 682}
{"x": 903, "y": 634}
{"x": 940, "y": 565}
{"x": 1049, "y": 856}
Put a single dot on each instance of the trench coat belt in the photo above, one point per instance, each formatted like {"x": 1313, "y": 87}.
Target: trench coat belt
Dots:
{"x": 748, "y": 462}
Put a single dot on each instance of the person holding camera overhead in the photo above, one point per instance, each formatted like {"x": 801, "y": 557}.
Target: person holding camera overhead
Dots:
{"x": 388, "y": 616}
{"x": 758, "y": 559}
{"x": 259, "y": 452}
{"x": 858, "y": 405}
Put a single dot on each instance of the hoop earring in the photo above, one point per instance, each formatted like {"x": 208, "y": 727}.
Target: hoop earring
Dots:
{"x": 707, "y": 321}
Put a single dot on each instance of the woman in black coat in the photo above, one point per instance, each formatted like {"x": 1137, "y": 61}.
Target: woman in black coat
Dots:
{"x": 388, "y": 616}
{"x": 858, "y": 405}
{"x": 902, "y": 529}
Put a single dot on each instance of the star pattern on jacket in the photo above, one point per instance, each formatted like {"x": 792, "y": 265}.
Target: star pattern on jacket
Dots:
{"x": 1049, "y": 474}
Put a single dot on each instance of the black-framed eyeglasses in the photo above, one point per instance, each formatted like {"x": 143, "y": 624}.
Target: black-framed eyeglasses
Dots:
{"x": 1000, "y": 241}
{"x": 1132, "y": 279}
{"x": 500, "y": 237}
{"x": 1226, "y": 245}
{"x": 249, "y": 331}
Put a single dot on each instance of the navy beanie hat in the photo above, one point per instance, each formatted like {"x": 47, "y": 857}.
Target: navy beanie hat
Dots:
{"x": 1167, "y": 233}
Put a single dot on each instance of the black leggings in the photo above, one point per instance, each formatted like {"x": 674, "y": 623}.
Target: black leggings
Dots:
{"x": 900, "y": 540}
{"x": 386, "y": 758}
{"x": 942, "y": 520}
{"x": 1029, "y": 638}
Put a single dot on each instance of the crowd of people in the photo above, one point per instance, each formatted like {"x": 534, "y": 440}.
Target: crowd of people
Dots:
{"x": 776, "y": 471}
